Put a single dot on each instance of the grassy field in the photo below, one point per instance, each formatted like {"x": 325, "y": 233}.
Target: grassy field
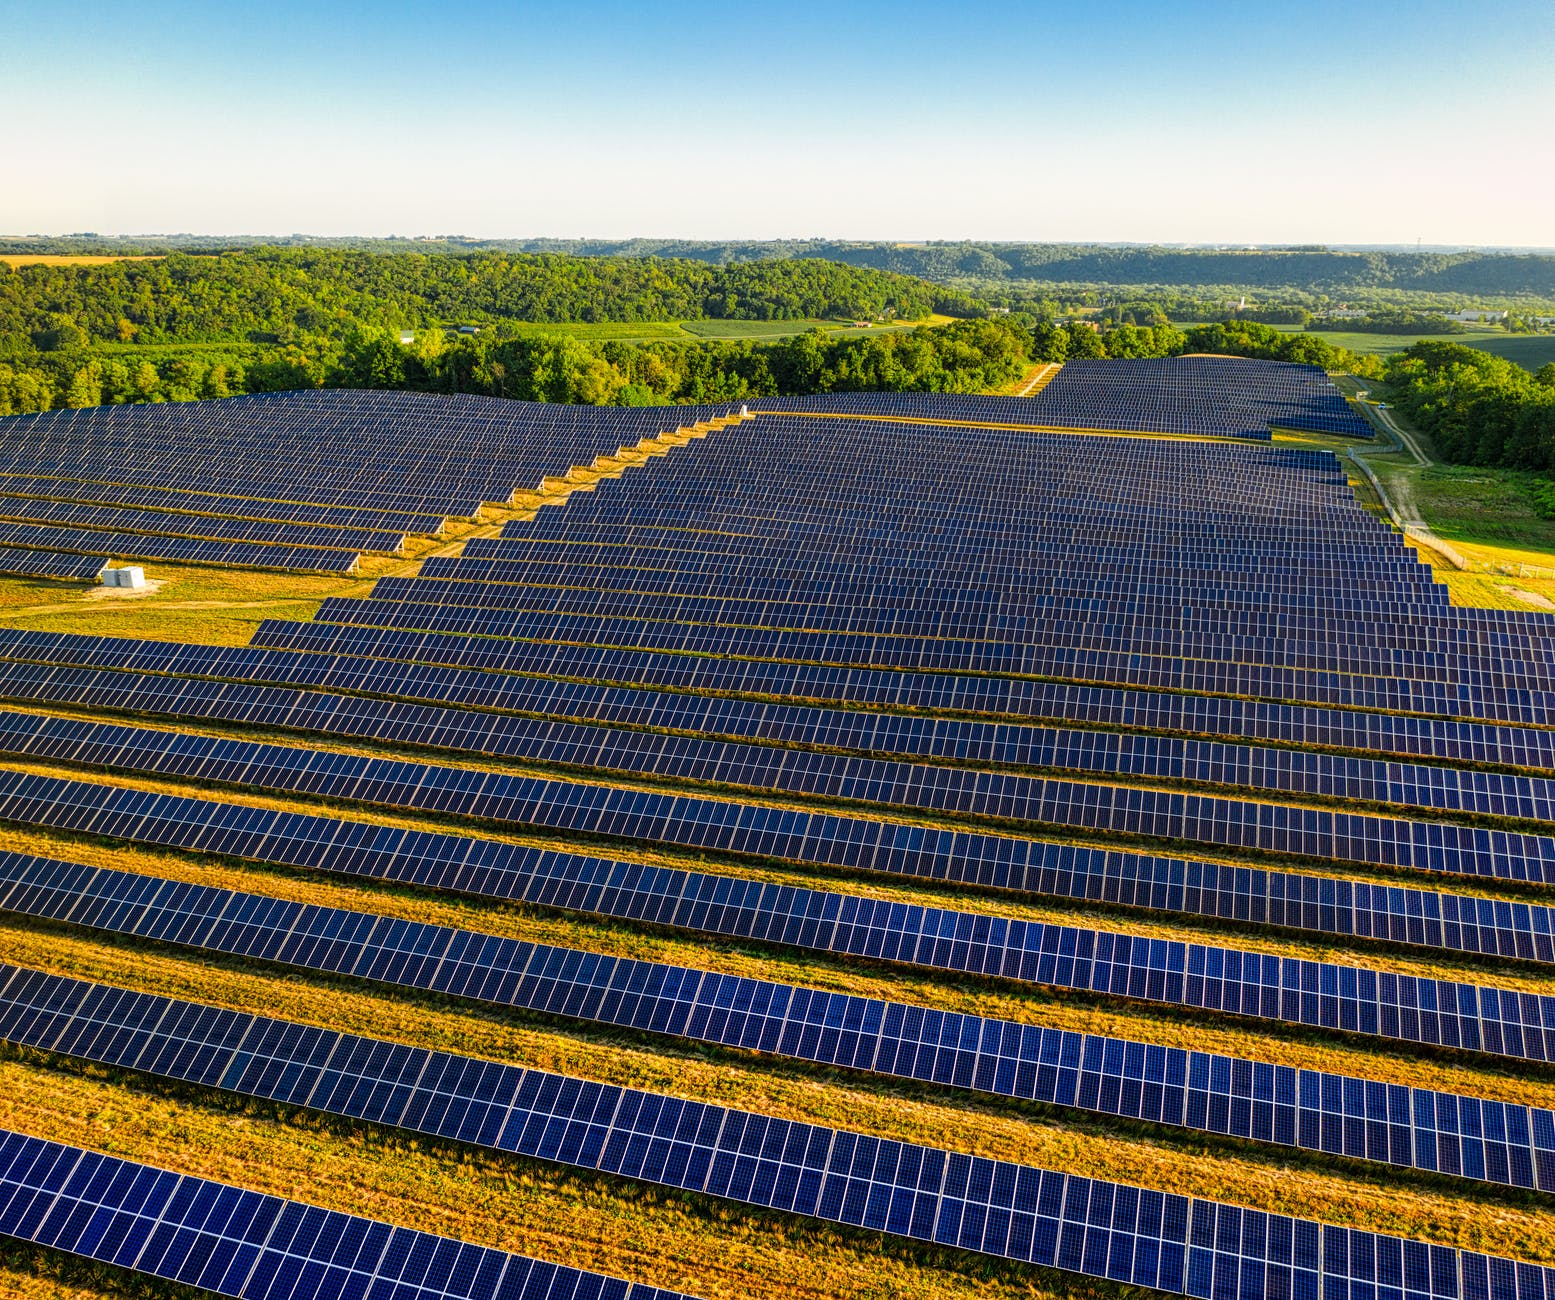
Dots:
{"x": 684, "y": 331}
{"x": 1488, "y": 515}
{"x": 73, "y": 259}
{"x": 1530, "y": 350}
{"x": 781, "y": 329}
{"x": 600, "y": 331}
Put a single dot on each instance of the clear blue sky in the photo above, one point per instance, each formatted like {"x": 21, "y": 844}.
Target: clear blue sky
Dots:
{"x": 1201, "y": 121}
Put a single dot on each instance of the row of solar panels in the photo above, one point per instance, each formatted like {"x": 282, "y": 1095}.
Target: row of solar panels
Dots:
{"x": 232, "y": 1242}
{"x": 476, "y": 638}
{"x": 936, "y": 788}
{"x": 1470, "y": 639}
{"x": 1008, "y": 742}
{"x": 900, "y": 687}
{"x": 1114, "y": 605}
{"x": 1054, "y": 476}
{"x": 1514, "y": 929}
{"x": 1291, "y": 773}
{"x": 85, "y": 492}
{"x": 377, "y": 451}
{"x": 141, "y": 546}
{"x": 1464, "y": 1136}
{"x": 920, "y": 443}
{"x": 1319, "y": 995}
{"x": 811, "y": 837}
{"x": 1211, "y": 546}
{"x": 1260, "y": 628}
{"x": 1189, "y": 395}
{"x": 488, "y": 563}
{"x": 49, "y": 564}
{"x": 1089, "y": 1226}
{"x": 182, "y": 525}
{"x": 1345, "y": 643}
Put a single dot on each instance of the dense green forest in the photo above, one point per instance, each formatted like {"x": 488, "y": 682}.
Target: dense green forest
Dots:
{"x": 1478, "y": 409}
{"x": 185, "y": 327}
{"x": 966, "y": 357}
{"x": 1318, "y": 271}
{"x": 1392, "y": 322}
{"x": 276, "y": 295}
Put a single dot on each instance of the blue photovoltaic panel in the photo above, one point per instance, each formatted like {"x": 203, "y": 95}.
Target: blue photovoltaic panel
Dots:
{"x": 814, "y": 837}
{"x": 861, "y": 729}
{"x": 1271, "y": 693}
{"x": 1087, "y": 1226}
{"x": 951, "y": 789}
{"x": 84, "y": 492}
{"x": 1159, "y": 883}
{"x": 142, "y": 546}
{"x": 247, "y": 1245}
{"x": 1226, "y": 397}
{"x": 1317, "y": 994}
{"x": 370, "y": 451}
{"x": 185, "y": 525}
{"x": 49, "y": 564}
{"x": 1360, "y": 1118}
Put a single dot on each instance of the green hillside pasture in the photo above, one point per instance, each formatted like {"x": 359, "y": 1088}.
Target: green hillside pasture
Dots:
{"x": 1529, "y": 350}
{"x": 643, "y": 331}
{"x": 771, "y": 330}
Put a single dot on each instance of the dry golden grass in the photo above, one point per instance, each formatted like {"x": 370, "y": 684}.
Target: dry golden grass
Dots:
{"x": 1077, "y": 1012}
{"x": 1425, "y": 963}
{"x": 74, "y": 259}
{"x": 36, "y": 1273}
{"x": 1279, "y": 1182}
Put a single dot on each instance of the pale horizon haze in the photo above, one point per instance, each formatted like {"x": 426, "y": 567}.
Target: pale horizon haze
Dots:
{"x": 1204, "y": 122}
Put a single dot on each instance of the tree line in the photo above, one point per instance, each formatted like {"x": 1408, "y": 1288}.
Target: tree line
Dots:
{"x": 963, "y": 357}
{"x": 187, "y": 327}
{"x": 1478, "y": 409}
{"x": 1242, "y": 338}
{"x": 1309, "y": 268}
{"x": 1397, "y": 321}
{"x": 281, "y": 295}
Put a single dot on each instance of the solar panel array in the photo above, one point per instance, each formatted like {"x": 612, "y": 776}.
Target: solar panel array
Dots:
{"x": 181, "y": 525}
{"x": 1365, "y": 1119}
{"x": 1225, "y": 397}
{"x": 1088, "y": 1226}
{"x": 49, "y": 564}
{"x": 1242, "y": 830}
{"x": 233, "y": 1242}
{"x": 285, "y": 481}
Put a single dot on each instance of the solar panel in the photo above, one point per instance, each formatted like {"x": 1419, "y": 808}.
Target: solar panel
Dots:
{"x": 1320, "y": 995}
{"x": 819, "y": 837}
{"x": 1152, "y": 881}
{"x": 248, "y": 1245}
{"x": 1088, "y": 1226}
{"x": 1363, "y": 1119}
{"x": 49, "y": 564}
{"x": 861, "y": 728}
